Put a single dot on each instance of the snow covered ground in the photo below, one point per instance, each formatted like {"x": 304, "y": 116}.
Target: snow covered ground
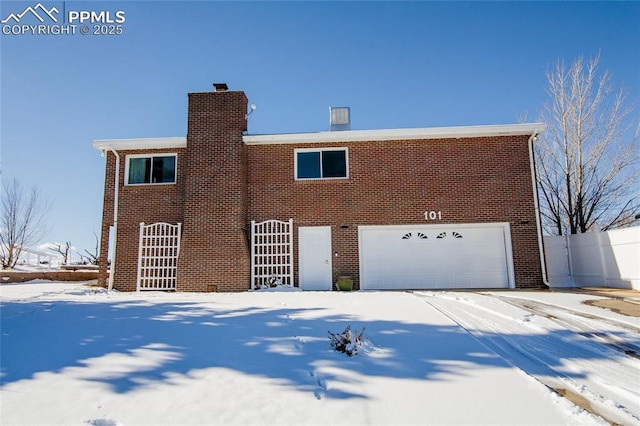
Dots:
{"x": 586, "y": 353}
{"x": 72, "y": 354}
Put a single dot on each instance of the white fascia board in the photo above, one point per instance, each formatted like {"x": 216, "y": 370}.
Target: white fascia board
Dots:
{"x": 145, "y": 143}
{"x": 397, "y": 134}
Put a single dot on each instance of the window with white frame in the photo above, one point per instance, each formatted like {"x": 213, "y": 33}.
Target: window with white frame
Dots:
{"x": 143, "y": 169}
{"x": 324, "y": 163}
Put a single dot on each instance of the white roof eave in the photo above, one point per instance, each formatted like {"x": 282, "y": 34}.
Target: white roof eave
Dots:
{"x": 398, "y": 134}
{"x": 337, "y": 136}
{"x": 142, "y": 143}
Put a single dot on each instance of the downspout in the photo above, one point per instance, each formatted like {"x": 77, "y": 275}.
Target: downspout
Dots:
{"x": 536, "y": 203}
{"x": 115, "y": 219}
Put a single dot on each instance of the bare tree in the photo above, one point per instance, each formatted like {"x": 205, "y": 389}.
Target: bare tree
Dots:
{"x": 94, "y": 256}
{"x": 63, "y": 249}
{"x": 587, "y": 161}
{"x": 22, "y": 220}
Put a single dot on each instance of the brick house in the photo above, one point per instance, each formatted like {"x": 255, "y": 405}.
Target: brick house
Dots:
{"x": 224, "y": 210}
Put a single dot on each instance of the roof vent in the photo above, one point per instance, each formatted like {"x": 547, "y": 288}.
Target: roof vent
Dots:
{"x": 339, "y": 118}
{"x": 220, "y": 87}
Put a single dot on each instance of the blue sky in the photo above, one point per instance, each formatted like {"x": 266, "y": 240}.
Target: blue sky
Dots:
{"x": 396, "y": 64}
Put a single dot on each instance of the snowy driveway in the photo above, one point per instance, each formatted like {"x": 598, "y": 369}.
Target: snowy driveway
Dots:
{"x": 590, "y": 355}
{"x": 74, "y": 355}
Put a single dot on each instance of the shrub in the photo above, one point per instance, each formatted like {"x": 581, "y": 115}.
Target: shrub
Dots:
{"x": 348, "y": 341}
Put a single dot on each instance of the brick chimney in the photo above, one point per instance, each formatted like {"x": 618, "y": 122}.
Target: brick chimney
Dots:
{"x": 214, "y": 255}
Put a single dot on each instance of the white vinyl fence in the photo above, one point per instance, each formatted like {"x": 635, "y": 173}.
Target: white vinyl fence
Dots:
{"x": 39, "y": 258}
{"x": 596, "y": 259}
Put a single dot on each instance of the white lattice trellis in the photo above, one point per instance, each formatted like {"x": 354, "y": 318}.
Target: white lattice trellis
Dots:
{"x": 271, "y": 253}
{"x": 158, "y": 256}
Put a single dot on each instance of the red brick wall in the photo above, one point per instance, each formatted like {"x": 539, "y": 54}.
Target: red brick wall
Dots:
{"x": 395, "y": 182}
{"x": 223, "y": 184}
{"x": 142, "y": 203}
{"x": 215, "y": 247}
{"x": 209, "y": 198}
{"x": 107, "y": 218}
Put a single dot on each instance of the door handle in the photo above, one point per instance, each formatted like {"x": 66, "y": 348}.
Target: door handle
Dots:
{"x": 326, "y": 262}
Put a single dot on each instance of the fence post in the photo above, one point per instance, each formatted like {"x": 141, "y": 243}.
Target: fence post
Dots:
{"x": 253, "y": 255}
{"x": 567, "y": 240}
{"x": 603, "y": 262}
{"x": 140, "y": 246}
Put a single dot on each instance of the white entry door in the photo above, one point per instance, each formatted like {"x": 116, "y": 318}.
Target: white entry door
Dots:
{"x": 314, "y": 257}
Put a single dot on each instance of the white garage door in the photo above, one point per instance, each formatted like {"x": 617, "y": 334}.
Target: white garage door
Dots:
{"x": 435, "y": 256}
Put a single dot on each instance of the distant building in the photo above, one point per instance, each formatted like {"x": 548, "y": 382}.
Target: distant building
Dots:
{"x": 223, "y": 210}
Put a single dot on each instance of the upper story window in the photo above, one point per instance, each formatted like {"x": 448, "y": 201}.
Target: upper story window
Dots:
{"x": 325, "y": 163}
{"x": 143, "y": 169}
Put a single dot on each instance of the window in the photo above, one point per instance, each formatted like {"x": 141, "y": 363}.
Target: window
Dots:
{"x": 321, "y": 163}
{"x": 151, "y": 169}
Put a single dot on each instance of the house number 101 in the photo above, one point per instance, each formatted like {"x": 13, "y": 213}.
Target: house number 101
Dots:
{"x": 432, "y": 215}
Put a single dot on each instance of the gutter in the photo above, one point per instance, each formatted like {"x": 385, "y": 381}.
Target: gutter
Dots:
{"x": 115, "y": 218}
{"x": 536, "y": 202}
